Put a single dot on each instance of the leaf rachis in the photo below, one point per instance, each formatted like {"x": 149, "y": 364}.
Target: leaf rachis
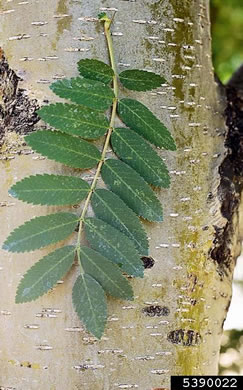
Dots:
{"x": 107, "y": 25}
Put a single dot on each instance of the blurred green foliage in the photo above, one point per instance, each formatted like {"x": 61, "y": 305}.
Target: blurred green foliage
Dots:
{"x": 227, "y": 34}
{"x": 231, "y": 354}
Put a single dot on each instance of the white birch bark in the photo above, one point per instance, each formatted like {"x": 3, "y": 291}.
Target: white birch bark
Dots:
{"x": 174, "y": 324}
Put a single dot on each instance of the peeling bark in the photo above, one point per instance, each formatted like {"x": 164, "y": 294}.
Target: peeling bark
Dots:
{"x": 174, "y": 325}
{"x": 227, "y": 242}
{"x": 17, "y": 111}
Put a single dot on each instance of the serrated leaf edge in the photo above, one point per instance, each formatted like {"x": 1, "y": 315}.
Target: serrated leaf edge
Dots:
{"x": 37, "y": 281}
{"x": 48, "y": 143}
{"x": 32, "y": 219}
{"x": 152, "y": 192}
{"x": 15, "y": 195}
{"x": 92, "y": 82}
{"x": 135, "y": 215}
{"x": 90, "y": 305}
{"x": 139, "y": 157}
{"x": 147, "y": 125}
{"x": 138, "y": 81}
{"x": 113, "y": 247}
{"x": 107, "y": 276}
{"x": 75, "y": 105}
{"x": 95, "y": 59}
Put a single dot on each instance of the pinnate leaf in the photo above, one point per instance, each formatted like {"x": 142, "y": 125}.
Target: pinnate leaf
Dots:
{"x": 111, "y": 209}
{"x": 90, "y": 93}
{"x": 140, "y": 80}
{"x": 89, "y": 301}
{"x": 45, "y": 274}
{"x": 113, "y": 245}
{"x": 50, "y": 189}
{"x": 106, "y": 273}
{"x": 95, "y": 70}
{"x": 64, "y": 148}
{"x": 75, "y": 120}
{"x": 132, "y": 189}
{"x": 40, "y": 232}
{"x": 137, "y": 153}
{"x": 139, "y": 118}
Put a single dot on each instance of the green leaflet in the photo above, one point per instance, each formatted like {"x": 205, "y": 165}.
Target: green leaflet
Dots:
{"x": 90, "y": 93}
{"x": 140, "y": 80}
{"x": 50, "y": 189}
{"x": 132, "y": 189}
{"x": 40, "y": 232}
{"x": 89, "y": 302}
{"x": 45, "y": 274}
{"x": 137, "y": 153}
{"x": 114, "y": 245}
{"x": 75, "y": 120}
{"x": 139, "y": 118}
{"x": 64, "y": 148}
{"x": 95, "y": 70}
{"x": 106, "y": 273}
{"x": 111, "y": 209}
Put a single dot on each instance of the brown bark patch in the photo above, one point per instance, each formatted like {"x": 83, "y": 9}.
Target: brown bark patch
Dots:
{"x": 231, "y": 173}
{"x": 17, "y": 110}
{"x": 186, "y": 338}
{"x": 156, "y": 311}
{"x": 148, "y": 262}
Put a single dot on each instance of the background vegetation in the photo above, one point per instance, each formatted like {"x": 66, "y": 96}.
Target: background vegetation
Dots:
{"x": 227, "y": 32}
{"x": 231, "y": 356}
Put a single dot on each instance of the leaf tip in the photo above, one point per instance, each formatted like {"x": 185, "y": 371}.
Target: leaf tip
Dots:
{"x": 167, "y": 182}
{"x": 39, "y": 112}
{"x": 12, "y": 192}
{"x": 52, "y": 86}
{"x": 22, "y": 294}
{"x": 27, "y": 136}
{"x": 5, "y": 246}
{"x": 173, "y": 147}
{"x": 98, "y": 335}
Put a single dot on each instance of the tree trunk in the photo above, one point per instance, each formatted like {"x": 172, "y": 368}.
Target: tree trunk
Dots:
{"x": 174, "y": 325}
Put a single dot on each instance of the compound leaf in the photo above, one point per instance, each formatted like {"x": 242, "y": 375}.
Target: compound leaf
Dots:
{"x": 139, "y": 118}
{"x": 40, "y": 232}
{"x": 64, "y": 148}
{"x": 114, "y": 245}
{"x": 90, "y": 93}
{"x": 75, "y": 120}
{"x": 95, "y": 70}
{"x": 137, "y": 153}
{"x": 106, "y": 273}
{"x": 111, "y": 209}
{"x": 140, "y": 80}
{"x": 132, "y": 189}
{"x": 89, "y": 301}
{"x": 50, "y": 189}
{"x": 45, "y": 274}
